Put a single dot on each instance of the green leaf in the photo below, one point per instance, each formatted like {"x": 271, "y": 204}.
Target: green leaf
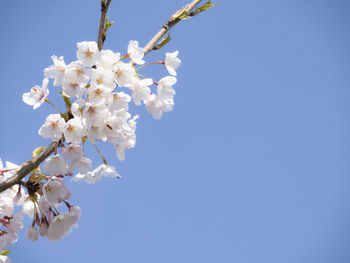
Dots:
{"x": 107, "y": 25}
{"x": 37, "y": 151}
{"x": 204, "y": 7}
{"x": 180, "y": 14}
{"x": 163, "y": 42}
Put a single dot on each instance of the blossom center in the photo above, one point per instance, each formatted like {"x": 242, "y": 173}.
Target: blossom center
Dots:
{"x": 88, "y": 53}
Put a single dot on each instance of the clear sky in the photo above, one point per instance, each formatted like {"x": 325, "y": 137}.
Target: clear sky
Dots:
{"x": 251, "y": 166}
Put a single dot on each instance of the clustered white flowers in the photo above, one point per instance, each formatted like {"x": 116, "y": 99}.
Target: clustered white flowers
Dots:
{"x": 95, "y": 90}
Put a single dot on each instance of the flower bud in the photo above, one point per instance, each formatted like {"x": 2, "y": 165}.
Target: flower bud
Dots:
{"x": 32, "y": 233}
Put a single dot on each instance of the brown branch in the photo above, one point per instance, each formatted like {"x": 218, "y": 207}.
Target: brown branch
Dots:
{"x": 101, "y": 33}
{"x": 166, "y": 27}
{"x": 29, "y": 166}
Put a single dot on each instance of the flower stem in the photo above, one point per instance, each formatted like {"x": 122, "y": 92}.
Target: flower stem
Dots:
{"x": 142, "y": 76}
{"x": 49, "y": 102}
{"x": 98, "y": 150}
{"x": 155, "y": 62}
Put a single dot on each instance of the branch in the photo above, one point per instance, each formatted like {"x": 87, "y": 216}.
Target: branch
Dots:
{"x": 101, "y": 33}
{"x": 172, "y": 22}
{"x": 29, "y": 166}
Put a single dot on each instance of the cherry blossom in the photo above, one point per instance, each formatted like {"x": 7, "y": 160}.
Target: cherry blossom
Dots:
{"x": 56, "y": 71}
{"x": 55, "y": 165}
{"x": 55, "y": 192}
{"x": 32, "y": 233}
{"x": 60, "y": 226}
{"x": 53, "y": 127}
{"x": 74, "y": 130}
{"x": 135, "y": 52}
{"x": 87, "y": 52}
{"x": 172, "y": 62}
{"x": 37, "y": 95}
{"x": 140, "y": 90}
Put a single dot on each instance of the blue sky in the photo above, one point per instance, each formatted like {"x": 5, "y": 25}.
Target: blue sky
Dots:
{"x": 251, "y": 166}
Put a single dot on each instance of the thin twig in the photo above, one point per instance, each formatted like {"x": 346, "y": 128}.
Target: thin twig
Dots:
{"x": 101, "y": 35}
{"x": 29, "y": 166}
{"x": 165, "y": 28}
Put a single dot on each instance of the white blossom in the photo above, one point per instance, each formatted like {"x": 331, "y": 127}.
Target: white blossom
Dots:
{"x": 172, "y": 62}
{"x": 77, "y": 107}
{"x": 60, "y": 226}
{"x": 6, "y": 205}
{"x": 124, "y": 73}
{"x": 73, "y": 152}
{"x": 28, "y": 208}
{"x": 16, "y": 223}
{"x": 43, "y": 229}
{"x": 32, "y": 233}
{"x": 84, "y": 165}
{"x": 8, "y": 239}
{"x": 55, "y": 192}
{"x": 120, "y": 102}
{"x": 89, "y": 177}
{"x": 103, "y": 77}
{"x": 95, "y": 94}
{"x": 55, "y": 165}
{"x": 44, "y": 205}
{"x": 106, "y": 170}
{"x": 56, "y": 71}
{"x": 140, "y": 90}
{"x": 87, "y": 52}
{"x": 107, "y": 59}
{"x": 75, "y": 80}
{"x": 154, "y": 106}
{"x": 135, "y": 52}
{"x": 37, "y": 95}
{"x": 53, "y": 127}
{"x": 4, "y": 259}
{"x": 94, "y": 113}
{"x": 74, "y": 130}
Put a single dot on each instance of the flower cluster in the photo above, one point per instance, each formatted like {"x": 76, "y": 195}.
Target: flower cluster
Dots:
{"x": 100, "y": 110}
{"x": 97, "y": 89}
{"x": 41, "y": 203}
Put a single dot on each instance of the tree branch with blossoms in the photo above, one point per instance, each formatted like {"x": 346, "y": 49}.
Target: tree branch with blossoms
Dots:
{"x": 96, "y": 110}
